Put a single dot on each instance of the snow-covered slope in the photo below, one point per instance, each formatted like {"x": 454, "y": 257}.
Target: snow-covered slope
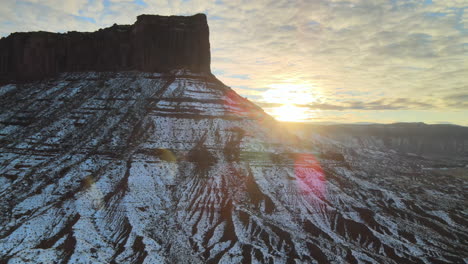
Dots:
{"x": 136, "y": 167}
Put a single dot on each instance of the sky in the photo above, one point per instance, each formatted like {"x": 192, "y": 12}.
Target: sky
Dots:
{"x": 341, "y": 61}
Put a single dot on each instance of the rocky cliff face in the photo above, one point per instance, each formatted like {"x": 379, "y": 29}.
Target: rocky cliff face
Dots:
{"x": 152, "y": 44}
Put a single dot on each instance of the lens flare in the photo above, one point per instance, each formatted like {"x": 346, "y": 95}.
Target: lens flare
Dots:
{"x": 92, "y": 193}
{"x": 309, "y": 175}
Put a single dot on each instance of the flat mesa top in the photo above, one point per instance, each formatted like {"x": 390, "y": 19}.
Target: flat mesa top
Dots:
{"x": 153, "y": 44}
{"x": 199, "y": 16}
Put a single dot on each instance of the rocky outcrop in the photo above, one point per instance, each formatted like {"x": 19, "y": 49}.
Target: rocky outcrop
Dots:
{"x": 153, "y": 44}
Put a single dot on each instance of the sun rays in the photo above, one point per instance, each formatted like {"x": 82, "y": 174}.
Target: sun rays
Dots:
{"x": 290, "y": 112}
{"x": 291, "y": 98}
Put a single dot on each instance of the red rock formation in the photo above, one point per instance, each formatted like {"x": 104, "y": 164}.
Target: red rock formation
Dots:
{"x": 153, "y": 44}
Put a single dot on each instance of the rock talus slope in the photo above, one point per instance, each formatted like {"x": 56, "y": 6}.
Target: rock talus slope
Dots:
{"x": 136, "y": 167}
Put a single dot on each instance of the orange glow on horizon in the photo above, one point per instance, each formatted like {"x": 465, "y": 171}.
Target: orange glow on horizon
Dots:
{"x": 289, "y": 112}
{"x": 289, "y": 95}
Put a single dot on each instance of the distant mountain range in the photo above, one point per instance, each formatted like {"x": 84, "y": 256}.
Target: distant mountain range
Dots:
{"x": 413, "y": 138}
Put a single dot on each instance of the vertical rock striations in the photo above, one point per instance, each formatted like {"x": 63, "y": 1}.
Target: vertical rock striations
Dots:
{"x": 153, "y": 44}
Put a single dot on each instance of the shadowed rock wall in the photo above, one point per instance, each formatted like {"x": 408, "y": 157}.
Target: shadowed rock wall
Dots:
{"x": 153, "y": 44}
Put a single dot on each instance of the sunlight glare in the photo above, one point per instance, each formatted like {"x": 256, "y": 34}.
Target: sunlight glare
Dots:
{"x": 290, "y": 93}
{"x": 289, "y": 96}
{"x": 290, "y": 112}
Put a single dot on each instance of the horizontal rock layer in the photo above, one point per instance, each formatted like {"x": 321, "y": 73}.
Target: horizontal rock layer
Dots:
{"x": 135, "y": 167}
{"x": 152, "y": 44}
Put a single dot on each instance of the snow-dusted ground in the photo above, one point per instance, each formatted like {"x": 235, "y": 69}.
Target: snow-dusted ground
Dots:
{"x": 177, "y": 168}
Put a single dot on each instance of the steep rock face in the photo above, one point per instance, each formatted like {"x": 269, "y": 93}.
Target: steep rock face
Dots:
{"x": 135, "y": 167}
{"x": 152, "y": 44}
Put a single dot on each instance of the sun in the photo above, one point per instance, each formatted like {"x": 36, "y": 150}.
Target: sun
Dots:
{"x": 290, "y": 93}
{"x": 290, "y": 112}
{"x": 291, "y": 97}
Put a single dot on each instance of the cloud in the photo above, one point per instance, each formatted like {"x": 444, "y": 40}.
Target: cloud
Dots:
{"x": 361, "y": 51}
{"x": 385, "y": 104}
{"x": 382, "y": 104}
{"x": 457, "y": 97}
{"x": 457, "y": 100}
{"x": 70, "y": 6}
{"x": 42, "y": 15}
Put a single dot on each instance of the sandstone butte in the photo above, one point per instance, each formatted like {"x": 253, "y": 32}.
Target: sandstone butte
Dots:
{"x": 153, "y": 44}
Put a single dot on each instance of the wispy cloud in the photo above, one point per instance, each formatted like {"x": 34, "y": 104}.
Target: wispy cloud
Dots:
{"x": 358, "y": 54}
{"x": 458, "y": 100}
{"x": 381, "y": 104}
